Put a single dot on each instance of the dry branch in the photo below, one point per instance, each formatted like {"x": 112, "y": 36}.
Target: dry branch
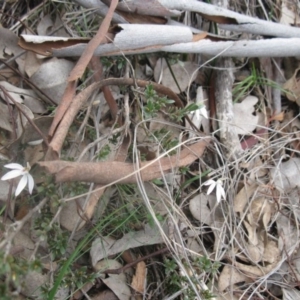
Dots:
{"x": 277, "y": 47}
{"x": 229, "y": 20}
{"x": 62, "y": 130}
{"x": 109, "y": 172}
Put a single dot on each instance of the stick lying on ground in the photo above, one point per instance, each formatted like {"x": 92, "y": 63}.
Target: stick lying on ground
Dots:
{"x": 110, "y": 172}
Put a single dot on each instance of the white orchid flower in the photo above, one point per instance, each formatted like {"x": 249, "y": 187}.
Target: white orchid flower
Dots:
{"x": 203, "y": 111}
{"x": 19, "y": 170}
{"x": 219, "y": 188}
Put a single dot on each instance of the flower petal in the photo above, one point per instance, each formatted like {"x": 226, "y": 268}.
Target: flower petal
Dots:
{"x": 223, "y": 194}
{"x": 211, "y": 188}
{"x": 209, "y": 182}
{"x": 14, "y": 166}
{"x": 12, "y": 174}
{"x": 203, "y": 112}
{"x": 30, "y": 183}
{"x": 21, "y": 185}
{"x": 220, "y": 193}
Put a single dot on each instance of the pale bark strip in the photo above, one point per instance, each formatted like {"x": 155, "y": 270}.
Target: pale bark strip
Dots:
{"x": 109, "y": 172}
{"x": 145, "y": 7}
{"x": 276, "y": 47}
{"x": 234, "y": 21}
{"x": 100, "y": 9}
{"x": 224, "y": 106}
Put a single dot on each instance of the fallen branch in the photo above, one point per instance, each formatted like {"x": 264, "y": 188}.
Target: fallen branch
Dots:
{"x": 277, "y": 47}
{"x": 109, "y": 172}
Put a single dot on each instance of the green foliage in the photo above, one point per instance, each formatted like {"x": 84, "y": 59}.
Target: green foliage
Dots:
{"x": 154, "y": 102}
{"x": 150, "y": 219}
{"x": 56, "y": 237}
{"x": 243, "y": 88}
{"x": 114, "y": 61}
{"x": 103, "y": 153}
{"x": 178, "y": 114}
{"x": 164, "y": 137}
{"x": 206, "y": 265}
{"x": 12, "y": 273}
{"x": 175, "y": 281}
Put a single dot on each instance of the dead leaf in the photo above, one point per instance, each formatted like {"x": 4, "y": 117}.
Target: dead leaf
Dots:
{"x": 5, "y": 118}
{"x": 199, "y": 209}
{"x": 8, "y": 44}
{"x": 260, "y": 211}
{"x": 185, "y": 73}
{"x": 289, "y": 13}
{"x": 286, "y": 175}
{"x": 21, "y": 120}
{"x": 290, "y": 293}
{"x": 288, "y": 234}
{"x": 292, "y": 85}
{"x": 18, "y": 94}
{"x": 102, "y": 248}
{"x": 271, "y": 252}
{"x": 243, "y": 197}
{"x": 139, "y": 279}
{"x": 118, "y": 286}
{"x": 52, "y": 76}
{"x": 230, "y": 276}
{"x": 244, "y": 122}
{"x": 32, "y": 283}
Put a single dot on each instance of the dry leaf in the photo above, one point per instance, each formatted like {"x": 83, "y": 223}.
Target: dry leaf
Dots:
{"x": 199, "y": 209}
{"x": 288, "y": 234}
{"x": 8, "y": 44}
{"x": 286, "y": 175}
{"x": 244, "y": 122}
{"x": 260, "y": 211}
{"x": 21, "y": 120}
{"x": 271, "y": 252}
{"x": 119, "y": 287}
{"x": 52, "y": 77}
{"x": 293, "y": 87}
{"x": 102, "y": 248}
{"x": 16, "y": 93}
{"x": 230, "y": 276}
{"x": 116, "y": 282}
{"x": 289, "y": 12}
{"x": 5, "y": 118}
{"x": 243, "y": 197}
{"x": 290, "y": 293}
{"x": 139, "y": 279}
{"x": 185, "y": 73}
{"x": 32, "y": 283}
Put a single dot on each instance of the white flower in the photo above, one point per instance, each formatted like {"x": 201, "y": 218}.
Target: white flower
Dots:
{"x": 203, "y": 112}
{"x": 18, "y": 170}
{"x": 219, "y": 187}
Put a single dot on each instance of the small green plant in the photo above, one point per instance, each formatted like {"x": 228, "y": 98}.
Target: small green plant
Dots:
{"x": 12, "y": 273}
{"x": 56, "y": 237}
{"x": 176, "y": 281}
{"x": 103, "y": 153}
{"x": 154, "y": 102}
{"x": 178, "y": 114}
{"x": 164, "y": 137}
{"x": 244, "y": 87}
{"x": 115, "y": 61}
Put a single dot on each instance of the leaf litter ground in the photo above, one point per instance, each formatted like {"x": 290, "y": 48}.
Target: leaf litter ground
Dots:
{"x": 184, "y": 188}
